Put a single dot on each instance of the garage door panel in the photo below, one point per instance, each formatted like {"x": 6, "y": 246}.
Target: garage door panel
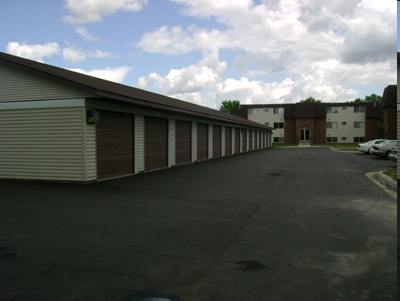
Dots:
{"x": 216, "y": 141}
{"x": 237, "y": 140}
{"x": 202, "y": 141}
{"x": 183, "y": 149}
{"x": 114, "y": 144}
{"x": 228, "y": 141}
{"x": 156, "y": 143}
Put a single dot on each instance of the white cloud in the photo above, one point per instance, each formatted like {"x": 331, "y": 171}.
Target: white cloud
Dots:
{"x": 323, "y": 47}
{"x": 205, "y": 74}
{"x": 89, "y": 11}
{"x": 72, "y": 55}
{"x": 101, "y": 54}
{"x": 34, "y": 52}
{"x": 174, "y": 41}
{"x": 112, "y": 74}
{"x": 85, "y": 33}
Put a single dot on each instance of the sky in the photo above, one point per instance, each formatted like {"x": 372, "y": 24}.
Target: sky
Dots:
{"x": 207, "y": 51}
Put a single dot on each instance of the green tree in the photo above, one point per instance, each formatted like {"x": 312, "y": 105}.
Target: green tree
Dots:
{"x": 371, "y": 98}
{"x": 310, "y": 99}
{"x": 229, "y": 106}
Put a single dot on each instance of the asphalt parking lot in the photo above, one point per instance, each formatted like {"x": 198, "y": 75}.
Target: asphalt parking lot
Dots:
{"x": 276, "y": 224}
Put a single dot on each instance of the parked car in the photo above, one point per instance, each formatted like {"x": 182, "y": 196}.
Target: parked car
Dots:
{"x": 393, "y": 154}
{"x": 367, "y": 146}
{"x": 383, "y": 149}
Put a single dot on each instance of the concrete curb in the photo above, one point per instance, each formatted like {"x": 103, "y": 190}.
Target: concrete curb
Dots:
{"x": 388, "y": 181}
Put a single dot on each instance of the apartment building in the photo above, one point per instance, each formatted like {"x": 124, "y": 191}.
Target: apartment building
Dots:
{"x": 317, "y": 122}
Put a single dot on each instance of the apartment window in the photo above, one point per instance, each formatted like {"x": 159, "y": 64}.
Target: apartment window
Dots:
{"x": 278, "y": 125}
{"x": 331, "y": 125}
{"x": 344, "y": 138}
{"x": 253, "y": 111}
{"x": 358, "y": 139}
{"x": 331, "y": 110}
{"x": 278, "y": 110}
{"x": 278, "y": 139}
{"x": 359, "y": 109}
{"x": 359, "y": 124}
{"x": 331, "y": 139}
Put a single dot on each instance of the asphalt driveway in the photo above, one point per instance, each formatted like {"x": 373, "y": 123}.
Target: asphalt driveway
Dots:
{"x": 276, "y": 224}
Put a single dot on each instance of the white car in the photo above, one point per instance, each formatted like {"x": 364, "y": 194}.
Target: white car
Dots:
{"x": 383, "y": 149}
{"x": 393, "y": 154}
{"x": 367, "y": 146}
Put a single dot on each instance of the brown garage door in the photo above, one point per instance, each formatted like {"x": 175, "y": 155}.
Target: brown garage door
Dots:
{"x": 237, "y": 140}
{"x": 114, "y": 144}
{"x": 228, "y": 141}
{"x": 244, "y": 140}
{"x": 202, "y": 141}
{"x": 216, "y": 141}
{"x": 156, "y": 143}
{"x": 183, "y": 148}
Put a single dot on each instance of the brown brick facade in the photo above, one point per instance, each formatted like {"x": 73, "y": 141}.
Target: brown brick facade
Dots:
{"x": 313, "y": 116}
{"x": 390, "y": 117}
{"x": 320, "y": 131}
{"x": 290, "y": 130}
{"x": 371, "y": 129}
{"x": 305, "y": 123}
{"x": 316, "y": 126}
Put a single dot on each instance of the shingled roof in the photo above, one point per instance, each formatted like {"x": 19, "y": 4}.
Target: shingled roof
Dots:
{"x": 119, "y": 93}
{"x": 389, "y": 98}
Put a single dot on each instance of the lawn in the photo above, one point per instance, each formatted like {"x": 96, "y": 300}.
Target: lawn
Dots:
{"x": 391, "y": 173}
{"x": 338, "y": 146}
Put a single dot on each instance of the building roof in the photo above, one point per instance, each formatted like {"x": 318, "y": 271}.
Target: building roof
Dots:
{"x": 389, "y": 98}
{"x": 305, "y": 110}
{"x": 312, "y": 110}
{"x": 119, "y": 93}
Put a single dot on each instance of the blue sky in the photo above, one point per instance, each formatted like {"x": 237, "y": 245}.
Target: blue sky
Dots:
{"x": 207, "y": 51}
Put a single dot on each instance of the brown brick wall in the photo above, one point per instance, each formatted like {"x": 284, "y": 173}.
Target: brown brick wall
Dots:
{"x": 371, "y": 129}
{"x": 320, "y": 131}
{"x": 290, "y": 131}
{"x": 390, "y": 119}
{"x": 307, "y": 123}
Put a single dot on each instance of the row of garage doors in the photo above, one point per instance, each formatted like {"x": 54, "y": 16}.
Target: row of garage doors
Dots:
{"x": 115, "y": 143}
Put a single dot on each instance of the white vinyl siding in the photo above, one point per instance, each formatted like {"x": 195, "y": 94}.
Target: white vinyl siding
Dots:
{"x": 139, "y": 143}
{"x": 272, "y": 117}
{"x": 210, "y": 141}
{"x": 90, "y": 156}
{"x": 17, "y": 85}
{"x": 46, "y": 144}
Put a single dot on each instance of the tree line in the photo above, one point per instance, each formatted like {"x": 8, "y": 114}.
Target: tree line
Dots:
{"x": 230, "y": 106}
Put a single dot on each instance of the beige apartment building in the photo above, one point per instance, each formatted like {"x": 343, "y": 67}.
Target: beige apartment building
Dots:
{"x": 317, "y": 122}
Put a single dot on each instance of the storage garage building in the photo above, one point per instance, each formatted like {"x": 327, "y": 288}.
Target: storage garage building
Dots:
{"x": 61, "y": 125}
